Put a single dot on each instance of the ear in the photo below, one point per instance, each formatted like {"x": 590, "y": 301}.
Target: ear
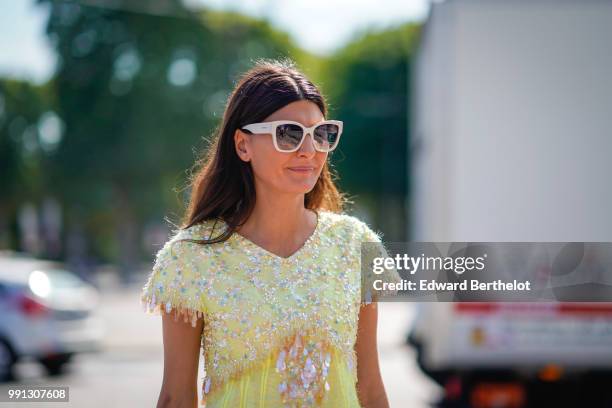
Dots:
{"x": 241, "y": 142}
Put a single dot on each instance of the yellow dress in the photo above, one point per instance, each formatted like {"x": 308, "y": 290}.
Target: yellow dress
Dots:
{"x": 277, "y": 331}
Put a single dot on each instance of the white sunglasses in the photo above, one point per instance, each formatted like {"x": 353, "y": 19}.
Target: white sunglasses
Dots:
{"x": 288, "y": 135}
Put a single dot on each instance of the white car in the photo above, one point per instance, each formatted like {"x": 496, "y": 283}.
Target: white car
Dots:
{"x": 46, "y": 314}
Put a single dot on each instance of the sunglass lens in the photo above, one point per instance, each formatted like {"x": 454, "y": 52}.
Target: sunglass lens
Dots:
{"x": 288, "y": 136}
{"x": 326, "y": 135}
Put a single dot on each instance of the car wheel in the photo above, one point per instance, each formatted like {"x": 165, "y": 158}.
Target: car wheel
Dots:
{"x": 7, "y": 361}
{"x": 56, "y": 364}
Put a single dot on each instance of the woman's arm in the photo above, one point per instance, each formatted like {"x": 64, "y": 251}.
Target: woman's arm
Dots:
{"x": 370, "y": 388}
{"x": 181, "y": 359}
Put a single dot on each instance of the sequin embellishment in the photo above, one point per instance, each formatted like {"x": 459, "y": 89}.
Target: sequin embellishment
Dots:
{"x": 281, "y": 322}
{"x": 303, "y": 363}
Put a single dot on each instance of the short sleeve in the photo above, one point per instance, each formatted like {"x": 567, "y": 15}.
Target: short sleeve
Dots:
{"x": 172, "y": 285}
{"x": 372, "y": 249}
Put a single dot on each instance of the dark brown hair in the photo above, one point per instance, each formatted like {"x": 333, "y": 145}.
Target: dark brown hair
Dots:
{"x": 223, "y": 187}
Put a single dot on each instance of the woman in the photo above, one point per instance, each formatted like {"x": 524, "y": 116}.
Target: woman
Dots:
{"x": 266, "y": 267}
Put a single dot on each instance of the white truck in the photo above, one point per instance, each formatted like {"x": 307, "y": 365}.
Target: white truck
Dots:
{"x": 511, "y": 141}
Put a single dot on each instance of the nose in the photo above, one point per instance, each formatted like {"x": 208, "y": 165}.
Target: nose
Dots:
{"x": 307, "y": 147}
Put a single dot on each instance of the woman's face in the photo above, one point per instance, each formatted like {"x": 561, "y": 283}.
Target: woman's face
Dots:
{"x": 277, "y": 170}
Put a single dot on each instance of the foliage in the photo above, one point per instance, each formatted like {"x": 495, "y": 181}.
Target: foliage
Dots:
{"x": 138, "y": 92}
{"x": 368, "y": 86}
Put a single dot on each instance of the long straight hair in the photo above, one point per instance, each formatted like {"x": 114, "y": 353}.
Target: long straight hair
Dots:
{"x": 224, "y": 188}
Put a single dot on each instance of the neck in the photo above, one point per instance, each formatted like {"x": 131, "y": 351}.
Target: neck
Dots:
{"x": 279, "y": 221}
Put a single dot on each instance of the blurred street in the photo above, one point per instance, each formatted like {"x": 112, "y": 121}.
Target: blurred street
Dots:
{"x": 128, "y": 372}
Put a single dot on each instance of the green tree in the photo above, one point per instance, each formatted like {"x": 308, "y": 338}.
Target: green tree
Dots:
{"x": 23, "y": 152}
{"x": 367, "y": 83}
{"x": 137, "y": 90}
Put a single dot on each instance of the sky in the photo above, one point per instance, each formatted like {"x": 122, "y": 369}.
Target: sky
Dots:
{"x": 319, "y": 26}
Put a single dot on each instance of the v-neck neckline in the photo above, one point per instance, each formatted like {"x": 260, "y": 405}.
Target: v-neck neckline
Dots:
{"x": 295, "y": 254}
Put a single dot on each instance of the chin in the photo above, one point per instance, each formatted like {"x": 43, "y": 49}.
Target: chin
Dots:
{"x": 301, "y": 188}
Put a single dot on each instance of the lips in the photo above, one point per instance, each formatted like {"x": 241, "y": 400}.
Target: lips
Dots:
{"x": 301, "y": 169}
